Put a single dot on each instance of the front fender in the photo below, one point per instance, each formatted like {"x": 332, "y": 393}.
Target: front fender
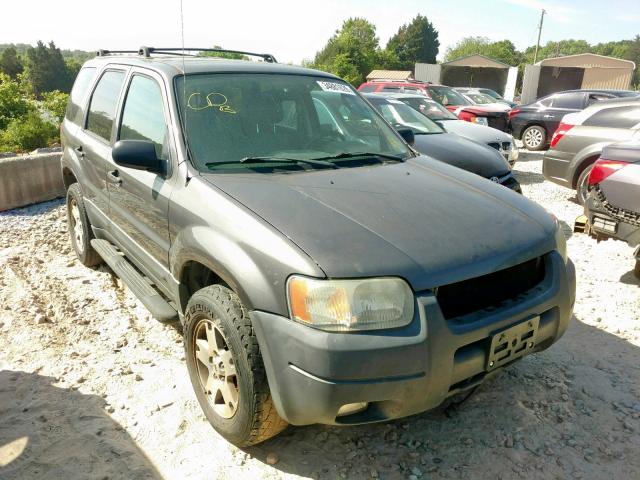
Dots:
{"x": 257, "y": 276}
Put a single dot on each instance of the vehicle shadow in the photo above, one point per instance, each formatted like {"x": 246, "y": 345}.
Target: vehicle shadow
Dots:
{"x": 528, "y": 178}
{"x": 527, "y": 156}
{"x": 48, "y": 432}
{"x": 562, "y": 413}
{"x": 630, "y": 277}
{"x": 33, "y": 210}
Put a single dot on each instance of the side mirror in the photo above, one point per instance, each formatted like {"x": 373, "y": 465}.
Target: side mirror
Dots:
{"x": 407, "y": 135}
{"x": 138, "y": 154}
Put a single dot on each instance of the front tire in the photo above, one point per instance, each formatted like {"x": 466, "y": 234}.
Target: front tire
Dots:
{"x": 637, "y": 269}
{"x": 582, "y": 185}
{"x": 226, "y": 368}
{"x": 80, "y": 228}
{"x": 534, "y": 138}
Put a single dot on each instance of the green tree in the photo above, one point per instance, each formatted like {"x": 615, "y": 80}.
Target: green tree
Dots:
{"x": 46, "y": 69}
{"x": 55, "y": 104}
{"x": 13, "y": 103}
{"x": 10, "y": 63}
{"x": 352, "y": 52}
{"x": 558, "y": 49}
{"x": 467, "y": 46}
{"x": 415, "y": 42}
{"x": 28, "y": 132}
{"x": 633, "y": 53}
{"x": 228, "y": 55}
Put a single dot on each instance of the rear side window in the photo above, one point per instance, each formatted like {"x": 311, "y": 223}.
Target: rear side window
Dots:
{"x": 367, "y": 88}
{"x": 573, "y": 101}
{"x": 78, "y": 92}
{"x": 143, "y": 114}
{"x": 391, "y": 89}
{"x": 618, "y": 117}
{"x": 103, "y": 104}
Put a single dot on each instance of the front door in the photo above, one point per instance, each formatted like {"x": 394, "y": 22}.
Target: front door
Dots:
{"x": 139, "y": 200}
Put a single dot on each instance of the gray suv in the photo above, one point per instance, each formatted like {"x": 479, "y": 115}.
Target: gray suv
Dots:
{"x": 319, "y": 275}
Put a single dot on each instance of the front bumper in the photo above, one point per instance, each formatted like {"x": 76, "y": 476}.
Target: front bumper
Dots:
{"x": 400, "y": 372}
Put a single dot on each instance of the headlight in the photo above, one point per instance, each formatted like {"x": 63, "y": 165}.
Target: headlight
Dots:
{"x": 480, "y": 120}
{"x": 350, "y": 305}
{"x": 514, "y": 153}
{"x": 561, "y": 241}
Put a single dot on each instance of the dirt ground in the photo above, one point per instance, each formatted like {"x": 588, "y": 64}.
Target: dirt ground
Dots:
{"x": 92, "y": 387}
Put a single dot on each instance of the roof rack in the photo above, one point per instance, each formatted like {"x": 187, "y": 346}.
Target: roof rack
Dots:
{"x": 148, "y": 51}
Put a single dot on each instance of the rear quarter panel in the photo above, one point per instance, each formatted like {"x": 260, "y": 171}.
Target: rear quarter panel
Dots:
{"x": 585, "y": 143}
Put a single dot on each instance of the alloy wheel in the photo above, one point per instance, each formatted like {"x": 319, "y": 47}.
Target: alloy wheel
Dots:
{"x": 76, "y": 226}
{"x": 216, "y": 368}
{"x": 533, "y": 138}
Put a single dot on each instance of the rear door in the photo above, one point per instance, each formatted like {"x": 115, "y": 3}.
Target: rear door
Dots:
{"x": 561, "y": 105}
{"x": 139, "y": 200}
{"x": 94, "y": 142}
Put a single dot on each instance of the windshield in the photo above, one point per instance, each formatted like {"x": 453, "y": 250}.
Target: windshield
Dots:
{"x": 492, "y": 94}
{"x": 230, "y": 118}
{"x": 401, "y": 115}
{"x": 480, "y": 98}
{"x": 447, "y": 96}
{"x": 430, "y": 109}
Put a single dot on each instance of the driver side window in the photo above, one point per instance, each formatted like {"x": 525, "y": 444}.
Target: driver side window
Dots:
{"x": 143, "y": 115}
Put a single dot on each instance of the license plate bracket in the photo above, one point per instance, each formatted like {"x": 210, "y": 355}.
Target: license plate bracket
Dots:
{"x": 511, "y": 343}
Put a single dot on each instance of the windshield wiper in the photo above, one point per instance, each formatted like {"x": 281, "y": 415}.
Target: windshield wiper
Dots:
{"x": 265, "y": 159}
{"x": 386, "y": 156}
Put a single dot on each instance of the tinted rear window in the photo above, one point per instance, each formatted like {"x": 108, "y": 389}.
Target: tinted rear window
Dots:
{"x": 78, "y": 92}
{"x": 618, "y": 117}
{"x": 573, "y": 101}
{"x": 104, "y": 100}
{"x": 367, "y": 88}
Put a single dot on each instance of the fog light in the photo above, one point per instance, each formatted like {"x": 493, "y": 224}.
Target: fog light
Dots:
{"x": 351, "y": 408}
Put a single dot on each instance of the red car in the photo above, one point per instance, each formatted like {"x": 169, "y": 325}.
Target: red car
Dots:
{"x": 447, "y": 96}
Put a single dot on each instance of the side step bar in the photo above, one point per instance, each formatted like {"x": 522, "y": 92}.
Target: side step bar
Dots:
{"x": 148, "y": 295}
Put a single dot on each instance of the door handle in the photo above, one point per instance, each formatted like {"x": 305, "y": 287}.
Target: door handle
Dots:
{"x": 549, "y": 116}
{"x": 114, "y": 177}
{"x": 79, "y": 151}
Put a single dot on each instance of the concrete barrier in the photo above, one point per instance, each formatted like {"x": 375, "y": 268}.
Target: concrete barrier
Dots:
{"x": 30, "y": 179}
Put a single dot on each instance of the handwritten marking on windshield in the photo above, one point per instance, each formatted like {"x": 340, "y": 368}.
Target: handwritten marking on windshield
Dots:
{"x": 214, "y": 100}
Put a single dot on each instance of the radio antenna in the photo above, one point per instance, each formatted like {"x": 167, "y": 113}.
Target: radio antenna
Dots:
{"x": 184, "y": 80}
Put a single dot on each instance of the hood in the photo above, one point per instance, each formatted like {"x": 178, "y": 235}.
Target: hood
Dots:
{"x": 425, "y": 221}
{"x": 455, "y": 150}
{"x": 475, "y": 132}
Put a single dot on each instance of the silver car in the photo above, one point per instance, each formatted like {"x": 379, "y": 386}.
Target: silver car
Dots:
{"x": 501, "y": 141}
{"x": 613, "y": 205}
{"x": 579, "y": 139}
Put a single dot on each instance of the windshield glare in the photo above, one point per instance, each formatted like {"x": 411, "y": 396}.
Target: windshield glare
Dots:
{"x": 430, "y": 109}
{"x": 480, "y": 98}
{"x": 230, "y": 117}
{"x": 401, "y": 115}
{"x": 447, "y": 96}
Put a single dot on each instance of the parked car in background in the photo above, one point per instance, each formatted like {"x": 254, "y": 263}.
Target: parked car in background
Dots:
{"x": 535, "y": 123}
{"x": 501, "y": 141}
{"x": 477, "y": 98}
{"x": 433, "y": 141}
{"x": 446, "y": 96}
{"x": 613, "y": 205}
{"x": 580, "y": 138}
{"x": 487, "y": 91}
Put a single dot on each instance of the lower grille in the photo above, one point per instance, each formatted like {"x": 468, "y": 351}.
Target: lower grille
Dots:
{"x": 620, "y": 214}
{"x": 468, "y": 296}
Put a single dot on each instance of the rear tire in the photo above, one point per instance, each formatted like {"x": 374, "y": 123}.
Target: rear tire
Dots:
{"x": 582, "y": 185}
{"x": 637, "y": 269}
{"x": 80, "y": 229}
{"x": 226, "y": 368}
{"x": 534, "y": 138}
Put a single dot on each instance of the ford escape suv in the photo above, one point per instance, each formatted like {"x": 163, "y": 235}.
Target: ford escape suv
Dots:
{"x": 320, "y": 275}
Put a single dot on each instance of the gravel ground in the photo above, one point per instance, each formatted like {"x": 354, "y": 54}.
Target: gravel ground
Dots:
{"x": 92, "y": 387}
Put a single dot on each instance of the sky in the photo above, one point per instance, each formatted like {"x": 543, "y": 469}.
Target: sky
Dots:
{"x": 293, "y": 30}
